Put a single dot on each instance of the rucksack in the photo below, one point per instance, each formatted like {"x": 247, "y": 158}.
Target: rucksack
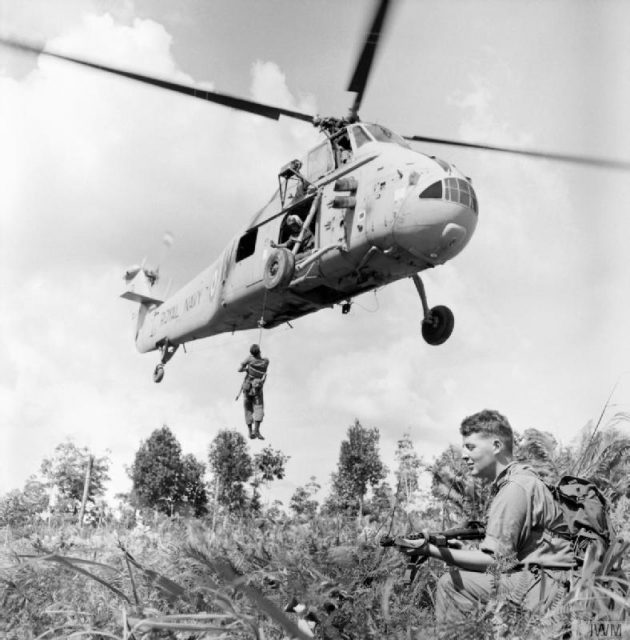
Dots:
{"x": 256, "y": 375}
{"x": 585, "y": 511}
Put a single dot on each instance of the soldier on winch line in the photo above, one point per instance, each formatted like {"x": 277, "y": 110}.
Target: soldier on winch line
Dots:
{"x": 255, "y": 368}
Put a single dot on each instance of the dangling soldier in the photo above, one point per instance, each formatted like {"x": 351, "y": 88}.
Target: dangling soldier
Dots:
{"x": 255, "y": 367}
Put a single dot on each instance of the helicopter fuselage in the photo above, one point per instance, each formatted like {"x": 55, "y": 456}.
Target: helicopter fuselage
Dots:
{"x": 384, "y": 212}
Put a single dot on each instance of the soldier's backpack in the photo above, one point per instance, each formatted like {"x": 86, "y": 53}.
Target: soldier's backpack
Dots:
{"x": 585, "y": 511}
{"x": 256, "y": 375}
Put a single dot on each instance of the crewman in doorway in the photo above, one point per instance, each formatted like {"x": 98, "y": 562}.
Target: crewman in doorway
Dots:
{"x": 294, "y": 224}
{"x": 255, "y": 368}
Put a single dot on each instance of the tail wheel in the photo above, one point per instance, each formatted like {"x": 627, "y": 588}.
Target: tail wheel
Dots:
{"x": 158, "y": 373}
{"x": 437, "y": 328}
{"x": 279, "y": 269}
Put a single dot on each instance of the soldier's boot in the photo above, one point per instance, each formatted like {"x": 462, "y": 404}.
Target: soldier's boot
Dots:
{"x": 257, "y": 433}
{"x": 251, "y": 433}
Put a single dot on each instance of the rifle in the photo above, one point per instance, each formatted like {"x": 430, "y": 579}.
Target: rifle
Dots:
{"x": 473, "y": 530}
{"x": 238, "y": 395}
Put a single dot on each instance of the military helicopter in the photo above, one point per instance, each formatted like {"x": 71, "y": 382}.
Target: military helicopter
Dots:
{"x": 359, "y": 210}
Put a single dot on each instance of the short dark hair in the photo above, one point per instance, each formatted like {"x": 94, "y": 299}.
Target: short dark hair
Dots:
{"x": 489, "y": 423}
{"x": 254, "y": 350}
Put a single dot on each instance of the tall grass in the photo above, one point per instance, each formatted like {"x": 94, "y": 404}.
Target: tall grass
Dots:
{"x": 183, "y": 580}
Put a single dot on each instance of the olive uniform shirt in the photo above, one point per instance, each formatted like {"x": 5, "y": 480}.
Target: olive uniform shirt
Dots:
{"x": 521, "y": 520}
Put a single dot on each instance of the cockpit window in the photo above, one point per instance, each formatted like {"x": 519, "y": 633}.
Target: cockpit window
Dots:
{"x": 460, "y": 191}
{"x": 382, "y": 134}
{"x": 453, "y": 189}
{"x": 433, "y": 191}
{"x": 320, "y": 161}
{"x": 360, "y": 136}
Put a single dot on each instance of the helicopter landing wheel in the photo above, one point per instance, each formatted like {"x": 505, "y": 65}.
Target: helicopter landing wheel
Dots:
{"x": 438, "y": 326}
{"x": 279, "y": 269}
{"x": 158, "y": 373}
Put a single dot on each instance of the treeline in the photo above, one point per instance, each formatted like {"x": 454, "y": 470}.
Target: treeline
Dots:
{"x": 72, "y": 482}
{"x": 167, "y": 481}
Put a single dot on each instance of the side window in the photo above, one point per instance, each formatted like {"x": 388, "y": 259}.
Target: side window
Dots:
{"x": 342, "y": 146}
{"x": 319, "y": 162}
{"x": 246, "y": 245}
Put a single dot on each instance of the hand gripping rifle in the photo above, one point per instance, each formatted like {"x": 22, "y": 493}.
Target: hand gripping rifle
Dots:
{"x": 473, "y": 530}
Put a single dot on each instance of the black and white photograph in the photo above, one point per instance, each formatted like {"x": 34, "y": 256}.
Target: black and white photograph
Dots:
{"x": 315, "y": 319}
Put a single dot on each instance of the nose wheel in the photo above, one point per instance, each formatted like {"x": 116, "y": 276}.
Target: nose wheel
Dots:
{"x": 437, "y": 328}
{"x": 438, "y": 322}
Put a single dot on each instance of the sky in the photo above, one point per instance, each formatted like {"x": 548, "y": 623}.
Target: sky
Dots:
{"x": 96, "y": 169}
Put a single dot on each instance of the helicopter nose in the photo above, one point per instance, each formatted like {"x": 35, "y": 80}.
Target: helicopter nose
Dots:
{"x": 438, "y": 227}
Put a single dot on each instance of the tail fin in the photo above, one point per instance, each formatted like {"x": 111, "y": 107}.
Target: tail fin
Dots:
{"x": 140, "y": 283}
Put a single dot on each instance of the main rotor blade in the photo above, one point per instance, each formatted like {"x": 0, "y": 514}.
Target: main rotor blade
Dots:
{"x": 240, "y": 104}
{"x": 364, "y": 63}
{"x": 586, "y": 160}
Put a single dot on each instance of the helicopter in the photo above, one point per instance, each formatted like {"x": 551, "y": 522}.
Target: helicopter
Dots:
{"x": 371, "y": 210}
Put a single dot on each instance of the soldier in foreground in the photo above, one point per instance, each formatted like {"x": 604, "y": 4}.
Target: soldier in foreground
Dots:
{"x": 255, "y": 367}
{"x": 521, "y": 558}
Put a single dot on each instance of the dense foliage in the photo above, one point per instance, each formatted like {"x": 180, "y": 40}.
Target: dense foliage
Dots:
{"x": 65, "y": 471}
{"x": 358, "y": 468}
{"x": 164, "y": 480}
{"x": 20, "y": 507}
{"x": 408, "y": 469}
{"x": 232, "y": 573}
{"x": 231, "y": 467}
{"x": 237, "y": 578}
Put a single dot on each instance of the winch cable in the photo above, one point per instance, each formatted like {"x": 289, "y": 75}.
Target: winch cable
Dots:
{"x": 261, "y": 322}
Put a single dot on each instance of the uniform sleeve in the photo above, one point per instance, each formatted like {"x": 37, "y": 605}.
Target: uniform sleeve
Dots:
{"x": 508, "y": 518}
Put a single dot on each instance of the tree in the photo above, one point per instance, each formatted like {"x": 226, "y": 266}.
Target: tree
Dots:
{"x": 461, "y": 496}
{"x": 359, "y": 466}
{"x": 232, "y": 467}
{"x": 193, "y": 490}
{"x": 165, "y": 481}
{"x": 407, "y": 472}
{"x": 65, "y": 471}
{"x": 268, "y": 466}
{"x": 302, "y": 502}
{"x": 383, "y": 500}
{"x": 21, "y": 506}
